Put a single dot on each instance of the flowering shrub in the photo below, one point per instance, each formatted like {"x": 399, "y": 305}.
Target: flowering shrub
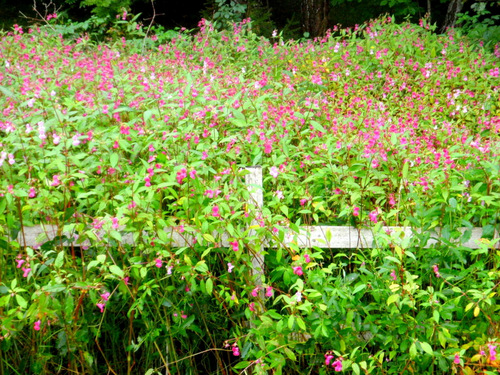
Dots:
{"x": 385, "y": 125}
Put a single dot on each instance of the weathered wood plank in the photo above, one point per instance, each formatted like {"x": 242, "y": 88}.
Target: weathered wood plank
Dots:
{"x": 330, "y": 237}
{"x": 341, "y": 237}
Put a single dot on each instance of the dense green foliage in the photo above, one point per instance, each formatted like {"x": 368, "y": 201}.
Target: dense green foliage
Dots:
{"x": 388, "y": 124}
{"x": 281, "y": 15}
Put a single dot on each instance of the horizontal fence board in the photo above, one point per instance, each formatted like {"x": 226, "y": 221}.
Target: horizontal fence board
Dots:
{"x": 326, "y": 237}
{"x": 341, "y": 237}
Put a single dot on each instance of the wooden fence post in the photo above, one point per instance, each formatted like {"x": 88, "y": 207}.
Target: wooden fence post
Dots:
{"x": 253, "y": 180}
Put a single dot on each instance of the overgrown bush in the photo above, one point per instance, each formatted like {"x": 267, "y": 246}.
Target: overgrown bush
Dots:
{"x": 385, "y": 125}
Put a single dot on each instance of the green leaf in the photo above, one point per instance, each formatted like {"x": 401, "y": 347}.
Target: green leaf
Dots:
{"x": 201, "y": 266}
{"x": 392, "y": 299}
{"x": 21, "y": 301}
{"x": 413, "y": 350}
{"x": 301, "y": 323}
{"x": 273, "y": 314}
{"x": 113, "y": 161}
{"x": 241, "y": 365}
{"x": 349, "y": 317}
{"x": 316, "y": 125}
{"x": 116, "y": 235}
{"x": 290, "y": 354}
{"x": 59, "y": 260}
{"x": 115, "y": 270}
{"x": 435, "y": 316}
{"x": 7, "y": 92}
{"x": 355, "y": 369}
{"x": 208, "y": 237}
{"x": 452, "y": 202}
{"x": 442, "y": 339}
{"x": 406, "y": 166}
{"x": 209, "y": 286}
{"x": 427, "y": 348}
{"x": 92, "y": 264}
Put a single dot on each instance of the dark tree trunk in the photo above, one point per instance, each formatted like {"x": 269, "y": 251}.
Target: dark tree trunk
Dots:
{"x": 454, "y": 8}
{"x": 315, "y": 17}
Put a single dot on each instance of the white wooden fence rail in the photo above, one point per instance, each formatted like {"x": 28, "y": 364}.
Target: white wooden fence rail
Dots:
{"x": 332, "y": 237}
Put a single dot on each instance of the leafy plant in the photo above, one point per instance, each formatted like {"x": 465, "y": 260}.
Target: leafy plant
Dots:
{"x": 482, "y": 26}
{"x": 131, "y": 156}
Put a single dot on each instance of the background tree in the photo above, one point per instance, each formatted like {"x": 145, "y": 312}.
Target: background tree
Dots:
{"x": 314, "y": 17}
{"x": 454, "y": 7}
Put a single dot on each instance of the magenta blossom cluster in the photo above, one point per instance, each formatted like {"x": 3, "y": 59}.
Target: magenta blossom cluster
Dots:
{"x": 337, "y": 364}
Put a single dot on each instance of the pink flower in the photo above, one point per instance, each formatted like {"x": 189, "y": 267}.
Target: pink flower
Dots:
{"x": 55, "y": 180}
{"x": 26, "y": 271}
{"x": 115, "y": 225}
{"x": 192, "y": 174}
{"x": 307, "y": 258}
{"x": 230, "y": 267}
{"x": 279, "y": 194}
{"x": 181, "y": 175}
{"x": 215, "y": 211}
{"x": 101, "y": 306}
{"x": 328, "y": 358}
{"x": 97, "y": 224}
{"x": 255, "y": 292}
{"x": 298, "y": 296}
{"x": 373, "y": 216}
{"x": 158, "y": 262}
{"x": 235, "y": 245}
{"x": 20, "y": 262}
{"x": 252, "y": 307}
{"x": 435, "y": 268}
{"x": 273, "y": 171}
{"x": 456, "y": 360}
{"x": 269, "y": 291}
{"x": 493, "y": 352}
{"x": 105, "y": 296}
{"x": 355, "y": 211}
{"x": 32, "y": 193}
{"x": 36, "y": 325}
{"x": 236, "y": 350}
{"x": 393, "y": 275}
{"x": 337, "y": 365}
{"x": 298, "y": 270}
{"x": 392, "y": 202}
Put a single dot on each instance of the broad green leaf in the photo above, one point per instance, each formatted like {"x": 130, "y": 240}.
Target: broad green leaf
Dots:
{"x": 114, "y": 160}
{"x": 413, "y": 350}
{"x": 290, "y": 354}
{"x": 427, "y": 348}
{"x": 208, "y": 237}
{"x": 59, "y": 259}
{"x": 21, "y": 301}
{"x": 392, "y": 299}
{"x": 115, "y": 270}
{"x": 209, "y": 286}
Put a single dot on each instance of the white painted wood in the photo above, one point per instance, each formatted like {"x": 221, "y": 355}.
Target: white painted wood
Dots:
{"x": 329, "y": 237}
{"x": 253, "y": 181}
{"x": 341, "y": 237}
